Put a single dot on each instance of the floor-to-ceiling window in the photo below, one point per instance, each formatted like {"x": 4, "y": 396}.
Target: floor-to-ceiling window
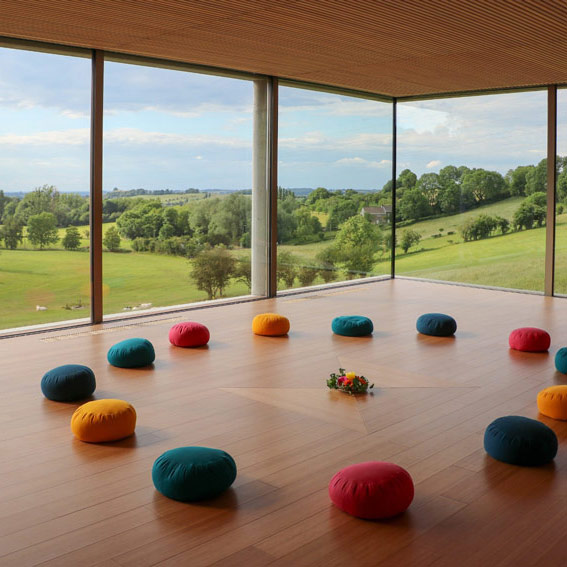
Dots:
{"x": 471, "y": 189}
{"x": 560, "y": 286}
{"x": 334, "y": 194}
{"x": 177, "y": 179}
{"x": 44, "y": 187}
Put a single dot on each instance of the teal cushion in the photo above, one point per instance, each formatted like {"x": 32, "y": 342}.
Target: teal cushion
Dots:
{"x": 561, "y": 360}
{"x": 352, "y": 326}
{"x": 68, "y": 383}
{"x": 193, "y": 473}
{"x": 520, "y": 441}
{"x": 436, "y": 325}
{"x": 131, "y": 353}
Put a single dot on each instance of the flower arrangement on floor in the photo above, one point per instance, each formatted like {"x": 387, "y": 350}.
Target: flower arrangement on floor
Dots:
{"x": 348, "y": 382}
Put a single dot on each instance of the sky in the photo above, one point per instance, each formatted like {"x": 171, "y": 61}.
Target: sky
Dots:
{"x": 171, "y": 129}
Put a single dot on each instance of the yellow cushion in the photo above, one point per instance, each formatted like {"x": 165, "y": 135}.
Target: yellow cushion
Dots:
{"x": 553, "y": 402}
{"x": 270, "y": 324}
{"x": 103, "y": 420}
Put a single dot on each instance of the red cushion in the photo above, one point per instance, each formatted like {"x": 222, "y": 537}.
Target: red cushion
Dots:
{"x": 529, "y": 339}
{"x": 372, "y": 490}
{"x": 189, "y": 334}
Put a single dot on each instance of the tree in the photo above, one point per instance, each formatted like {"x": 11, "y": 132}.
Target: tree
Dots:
{"x": 356, "y": 243}
{"x": 286, "y": 270}
{"x": 409, "y": 239}
{"x": 307, "y": 274}
{"x": 40, "y": 200}
{"x": 532, "y": 210}
{"x": 308, "y": 226}
{"x": 42, "y": 229}
{"x": 414, "y": 205}
{"x": 319, "y": 193}
{"x": 212, "y": 270}
{"x": 243, "y": 272}
{"x": 536, "y": 178}
{"x": 485, "y": 186}
{"x": 430, "y": 186}
{"x": 112, "y": 239}
{"x": 12, "y": 232}
{"x": 406, "y": 180}
{"x": 517, "y": 179}
{"x": 327, "y": 259}
{"x": 72, "y": 238}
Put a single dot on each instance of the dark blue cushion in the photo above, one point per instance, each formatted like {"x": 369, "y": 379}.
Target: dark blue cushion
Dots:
{"x": 193, "y": 473}
{"x": 561, "y": 360}
{"x": 352, "y": 326}
{"x": 68, "y": 383}
{"x": 131, "y": 353}
{"x": 520, "y": 441}
{"x": 436, "y": 324}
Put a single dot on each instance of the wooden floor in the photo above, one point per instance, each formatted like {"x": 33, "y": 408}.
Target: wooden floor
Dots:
{"x": 264, "y": 400}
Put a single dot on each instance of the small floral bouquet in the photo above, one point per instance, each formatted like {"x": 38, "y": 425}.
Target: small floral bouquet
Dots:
{"x": 348, "y": 382}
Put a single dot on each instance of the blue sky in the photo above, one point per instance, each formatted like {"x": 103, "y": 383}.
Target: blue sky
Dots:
{"x": 170, "y": 129}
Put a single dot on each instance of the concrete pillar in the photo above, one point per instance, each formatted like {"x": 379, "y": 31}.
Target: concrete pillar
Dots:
{"x": 260, "y": 190}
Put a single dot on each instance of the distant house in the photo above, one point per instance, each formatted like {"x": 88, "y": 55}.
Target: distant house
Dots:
{"x": 378, "y": 215}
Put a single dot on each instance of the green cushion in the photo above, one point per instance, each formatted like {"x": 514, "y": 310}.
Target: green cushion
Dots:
{"x": 352, "y": 326}
{"x": 131, "y": 353}
{"x": 193, "y": 473}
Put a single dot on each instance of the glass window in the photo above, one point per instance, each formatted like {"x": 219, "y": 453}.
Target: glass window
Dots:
{"x": 177, "y": 187}
{"x": 560, "y": 281}
{"x": 44, "y": 187}
{"x": 471, "y": 190}
{"x": 334, "y": 199}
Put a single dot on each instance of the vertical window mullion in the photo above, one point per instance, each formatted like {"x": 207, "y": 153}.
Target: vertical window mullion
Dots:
{"x": 96, "y": 186}
{"x": 551, "y": 187}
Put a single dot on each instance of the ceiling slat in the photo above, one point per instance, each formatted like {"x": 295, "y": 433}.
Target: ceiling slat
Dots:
{"x": 390, "y": 47}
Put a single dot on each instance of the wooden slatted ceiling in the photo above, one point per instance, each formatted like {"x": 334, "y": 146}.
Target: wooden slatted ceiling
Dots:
{"x": 391, "y": 47}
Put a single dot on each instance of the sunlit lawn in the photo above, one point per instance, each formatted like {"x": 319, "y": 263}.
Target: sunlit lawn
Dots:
{"x": 54, "y": 278}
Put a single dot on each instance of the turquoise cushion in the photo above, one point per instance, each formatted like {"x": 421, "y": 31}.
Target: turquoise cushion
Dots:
{"x": 193, "y": 473}
{"x": 519, "y": 440}
{"x": 68, "y": 383}
{"x": 352, "y": 326}
{"x": 131, "y": 353}
{"x": 436, "y": 324}
{"x": 561, "y": 360}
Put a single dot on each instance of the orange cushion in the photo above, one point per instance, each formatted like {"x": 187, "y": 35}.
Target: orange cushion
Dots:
{"x": 270, "y": 324}
{"x": 103, "y": 420}
{"x": 553, "y": 402}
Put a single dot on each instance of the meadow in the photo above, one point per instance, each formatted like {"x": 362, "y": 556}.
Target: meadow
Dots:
{"x": 59, "y": 280}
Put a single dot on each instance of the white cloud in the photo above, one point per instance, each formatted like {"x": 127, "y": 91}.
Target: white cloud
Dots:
{"x": 75, "y": 137}
{"x": 135, "y": 136}
{"x": 432, "y": 164}
{"x": 364, "y": 162}
{"x": 317, "y": 140}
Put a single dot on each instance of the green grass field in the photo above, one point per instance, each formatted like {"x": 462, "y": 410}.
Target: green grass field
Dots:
{"x": 55, "y": 277}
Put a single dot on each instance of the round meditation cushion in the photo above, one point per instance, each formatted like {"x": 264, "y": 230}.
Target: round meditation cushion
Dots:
{"x": 436, "y": 325}
{"x": 561, "y": 360}
{"x": 372, "y": 490}
{"x": 193, "y": 473}
{"x": 270, "y": 325}
{"x": 552, "y": 402}
{"x": 352, "y": 326}
{"x": 68, "y": 383}
{"x": 189, "y": 334}
{"x": 520, "y": 440}
{"x": 103, "y": 420}
{"x": 529, "y": 339}
{"x": 131, "y": 353}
